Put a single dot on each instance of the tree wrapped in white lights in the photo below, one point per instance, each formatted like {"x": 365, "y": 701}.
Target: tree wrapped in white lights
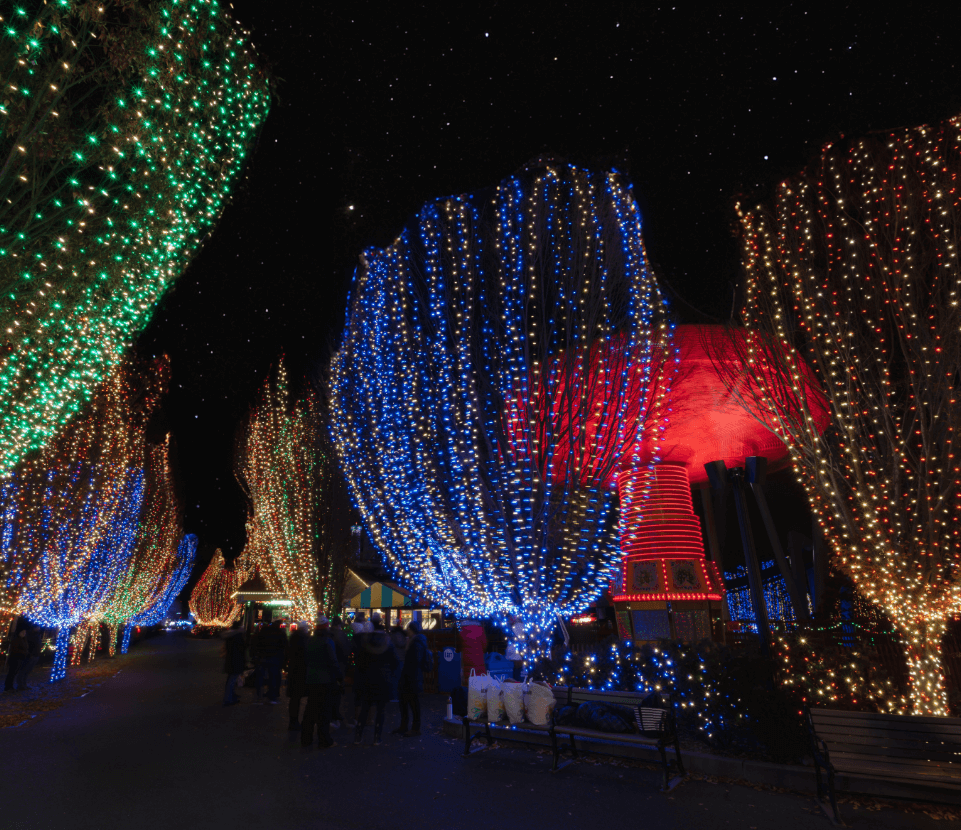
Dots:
{"x": 284, "y": 465}
{"x": 474, "y": 438}
{"x": 858, "y": 263}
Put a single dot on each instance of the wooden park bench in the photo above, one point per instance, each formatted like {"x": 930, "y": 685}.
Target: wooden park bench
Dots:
{"x": 899, "y": 749}
{"x": 659, "y": 730}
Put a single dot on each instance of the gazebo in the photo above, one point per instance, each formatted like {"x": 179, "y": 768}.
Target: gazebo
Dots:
{"x": 394, "y": 603}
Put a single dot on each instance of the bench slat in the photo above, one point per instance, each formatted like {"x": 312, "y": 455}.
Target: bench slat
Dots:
{"x": 899, "y": 778}
{"x": 898, "y": 763}
{"x": 924, "y": 753}
{"x": 625, "y": 737}
{"x": 891, "y": 747}
{"x": 870, "y": 766}
{"x": 951, "y": 724}
{"x": 867, "y": 732}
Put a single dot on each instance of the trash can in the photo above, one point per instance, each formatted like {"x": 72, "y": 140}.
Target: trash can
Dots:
{"x": 448, "y": 670}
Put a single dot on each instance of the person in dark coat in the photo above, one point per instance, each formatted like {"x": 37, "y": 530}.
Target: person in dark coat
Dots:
{"x": 378, "y": 665}
{"x": 398, "y": 638}
{"x": 34, "y": 649}
{"x": 323, "y": 671}
{"x": 17, "y": 652}
{"x": 297, "y": 671}
{"x": 273, "y": 645}
{"x": 417, "y": 660}
{"x": 234, "y": 660}
{"x": 342, "y": 649}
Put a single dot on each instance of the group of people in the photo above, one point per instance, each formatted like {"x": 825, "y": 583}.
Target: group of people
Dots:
{"x": 386, "y": 665}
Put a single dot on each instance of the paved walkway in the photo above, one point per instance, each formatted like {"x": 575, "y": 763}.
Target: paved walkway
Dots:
{"x": 152, "y": 747}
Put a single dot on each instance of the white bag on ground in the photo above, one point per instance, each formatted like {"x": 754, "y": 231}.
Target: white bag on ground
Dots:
{"x": 514, "y": 700}
{"x": 477, "y": 695}
{"x": 495, "y": 700}
{"x": 540, "y": 704}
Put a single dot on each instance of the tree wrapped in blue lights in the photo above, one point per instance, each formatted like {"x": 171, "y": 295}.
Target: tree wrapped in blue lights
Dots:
{"x": 488, "y": 384}
{"x": 174, "y": 580}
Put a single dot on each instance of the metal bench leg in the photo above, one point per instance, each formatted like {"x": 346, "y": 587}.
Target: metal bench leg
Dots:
{"x": 573, "y": 747}
{"x": 667, "y": 768}
{"x": 467, "y": 737}
{"x": 834, "y": 803}
{"x": 556, "y": 749}
{"x": 490, "y": 738}
{"x": 677, "y": 752}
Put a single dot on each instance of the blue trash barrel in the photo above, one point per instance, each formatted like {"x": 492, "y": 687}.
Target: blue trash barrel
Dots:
{"x": 448, "y": 670}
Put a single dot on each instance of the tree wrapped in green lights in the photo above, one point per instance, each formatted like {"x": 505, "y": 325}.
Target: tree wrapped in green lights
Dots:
{"x": 497, "y": 368}
{"x": 123, "y": 127}
{"x": 857, "y": 261}
{"x": 285, "y": 465}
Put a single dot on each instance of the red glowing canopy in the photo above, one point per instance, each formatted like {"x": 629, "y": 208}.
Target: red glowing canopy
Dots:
{"x": 711, "y": 410}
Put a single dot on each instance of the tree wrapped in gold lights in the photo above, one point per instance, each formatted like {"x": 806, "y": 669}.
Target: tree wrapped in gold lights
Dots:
{"x": 284, "y": 464}
{"x": 212, "y": 602}
{"x": 123, "y": 127}
{"x": 857, "y": 263}
{"x": 71, "y": 512}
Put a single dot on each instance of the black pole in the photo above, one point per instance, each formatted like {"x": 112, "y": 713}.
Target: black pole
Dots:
{"x": 736, "y": 477}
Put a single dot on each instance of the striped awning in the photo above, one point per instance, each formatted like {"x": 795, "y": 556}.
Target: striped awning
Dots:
{"x": 378, "y": 595}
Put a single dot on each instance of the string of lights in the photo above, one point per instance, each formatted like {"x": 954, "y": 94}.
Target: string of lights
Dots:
{"x": 859, "y": 260}
{"x": 123, "y": 127}
{"x": 460, "y": 399}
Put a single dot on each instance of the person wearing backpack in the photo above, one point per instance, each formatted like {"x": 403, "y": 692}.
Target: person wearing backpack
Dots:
{"x": 417, "y": 660}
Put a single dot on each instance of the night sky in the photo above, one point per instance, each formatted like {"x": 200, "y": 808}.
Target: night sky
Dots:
{"x": 377, "y": 112}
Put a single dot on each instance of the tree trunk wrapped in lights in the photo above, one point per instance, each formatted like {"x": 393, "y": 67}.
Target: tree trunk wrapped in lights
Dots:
{"x": 212, "y": 601}
{"x": 284, "y": 464}
{"x": 857, "y": 263}
{"x": 123, "y": 127}
{"x": 461, "y": 399}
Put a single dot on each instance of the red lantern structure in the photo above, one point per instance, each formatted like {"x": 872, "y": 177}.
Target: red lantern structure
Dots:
{"x": 705, "y": 409}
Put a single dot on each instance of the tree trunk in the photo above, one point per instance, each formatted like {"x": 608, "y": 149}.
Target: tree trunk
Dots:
{"x": 94, "y": 629}
{"x": 78, "y": 642}
{"x": 112, "y": 640}
{"x": 59, "y": 670}
{"x": 921, "y": 641}
{"x": 125, "y": 643}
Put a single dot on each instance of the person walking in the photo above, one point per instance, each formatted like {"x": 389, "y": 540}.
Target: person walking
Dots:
{"x": 398, "y": 638}
{"x": 323, "y": 671}
{"x": 379, "y": 662}
{"x": 359, "y": 627}
{"x": 17, "y": 652}
{"x": 273, "y": 646}
{"x": 296, "y": 664}
{"x": 417, "y": 660}
{"x": 342, "y": 650}
{"x": 234, "y": 660}
{"x": 34, "y": 648}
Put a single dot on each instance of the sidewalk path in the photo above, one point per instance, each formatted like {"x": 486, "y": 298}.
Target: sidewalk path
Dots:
{"x": 152, "y": 748}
